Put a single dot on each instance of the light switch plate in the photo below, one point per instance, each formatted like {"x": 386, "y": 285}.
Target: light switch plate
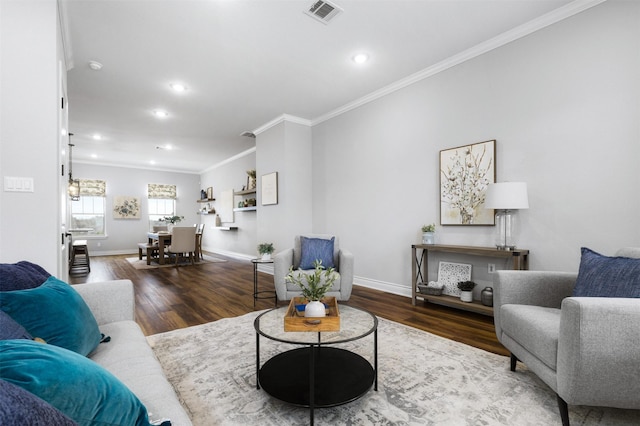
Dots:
{"x": 18, "y": 184}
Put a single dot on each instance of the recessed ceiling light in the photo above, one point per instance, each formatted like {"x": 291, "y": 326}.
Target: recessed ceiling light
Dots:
{"x": 95, "y": 65}
{"x": 160, "y": 113}
{"x": 360, "y": 58}
{"x": 152, "y": 162}
{"x": 94, "y": 155}
{"x": 178, "y": 87}
{"x": 97, "y": 136}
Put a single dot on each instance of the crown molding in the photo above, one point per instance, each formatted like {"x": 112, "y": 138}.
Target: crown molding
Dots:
{"x": 523, "y": 30}
{"x": 229, "y": 160}
{"x": 281, "y": 119}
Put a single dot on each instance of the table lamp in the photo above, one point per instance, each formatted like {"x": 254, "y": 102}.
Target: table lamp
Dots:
{"x": 505, "y": 198}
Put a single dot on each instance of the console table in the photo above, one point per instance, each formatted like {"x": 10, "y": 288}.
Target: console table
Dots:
{"x": 420, "y": 264}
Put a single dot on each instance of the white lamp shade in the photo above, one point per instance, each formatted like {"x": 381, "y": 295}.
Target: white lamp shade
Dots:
{"x": 507, "y": 196}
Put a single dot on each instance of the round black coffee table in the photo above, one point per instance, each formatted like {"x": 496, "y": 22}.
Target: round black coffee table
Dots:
{"x": 317, "y": 374}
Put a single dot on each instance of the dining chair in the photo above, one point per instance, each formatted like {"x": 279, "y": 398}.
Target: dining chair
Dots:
{"x": 183, "y": 241}
{"x": 199, "y": 232}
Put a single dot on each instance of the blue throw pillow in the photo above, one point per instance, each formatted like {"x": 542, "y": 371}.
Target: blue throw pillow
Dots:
{"x": 56, "y": 313}
{"x": 602, "y": 276}
{"x": 21, "y": 275}
{"x": 75, "y": 385}
{"x": 19, "y": 407}
{"x": 313, "y": 249}
{"x": 9, "y": 329}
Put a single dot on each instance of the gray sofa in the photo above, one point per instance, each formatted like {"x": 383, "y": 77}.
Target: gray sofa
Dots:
{"x": 342, "y": 259}
{"x": 587, "y": 349}
{"x": 127, "y": 355}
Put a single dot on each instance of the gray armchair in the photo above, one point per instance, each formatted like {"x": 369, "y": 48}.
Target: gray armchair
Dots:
{"x": 587, "y": 349}
{"x": 342, "y": 259}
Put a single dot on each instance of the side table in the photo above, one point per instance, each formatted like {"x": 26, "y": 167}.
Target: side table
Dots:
{"x": 256, "y": 293}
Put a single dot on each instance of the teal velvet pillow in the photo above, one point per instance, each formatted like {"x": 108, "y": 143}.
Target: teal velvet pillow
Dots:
{"x": 75, "y": 385}
{"x": 56, "y": 313}
{"x": 603, "y": 276}
{"x": 312, "y": 249}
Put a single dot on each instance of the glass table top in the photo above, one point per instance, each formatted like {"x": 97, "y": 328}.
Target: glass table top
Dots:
{"x": 354, "y": 324}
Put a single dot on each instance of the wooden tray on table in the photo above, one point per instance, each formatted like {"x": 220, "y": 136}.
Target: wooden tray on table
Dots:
{"x": 294, "y": 320}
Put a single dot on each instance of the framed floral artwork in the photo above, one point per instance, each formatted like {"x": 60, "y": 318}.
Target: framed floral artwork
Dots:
{"x": 465, "y": 174}
{"x": 125, "y": 207}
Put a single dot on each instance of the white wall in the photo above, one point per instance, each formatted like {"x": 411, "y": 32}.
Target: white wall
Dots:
{"x": 29, "y": 81}
{"x": 231, "y": 175}
{"x": 123, "y": 235}
{"x": 562, "y": 104}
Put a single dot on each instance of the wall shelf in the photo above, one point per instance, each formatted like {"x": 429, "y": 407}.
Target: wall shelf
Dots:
{"x": 208, "y": 200}
{"x": 245, "y": 209}
{"x": 245, "y": 192}
{"x": 226, "y": 228}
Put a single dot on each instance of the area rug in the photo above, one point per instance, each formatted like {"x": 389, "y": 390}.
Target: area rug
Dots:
{"x": 423, "y": 380}
{"x": 142, "y": 264}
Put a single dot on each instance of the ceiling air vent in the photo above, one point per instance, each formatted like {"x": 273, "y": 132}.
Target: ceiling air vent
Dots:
{"x": 323, "y": 11}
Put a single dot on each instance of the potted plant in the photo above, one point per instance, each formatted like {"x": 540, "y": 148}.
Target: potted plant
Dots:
{"x": 171, "y": 220}
{"x": 265, "y": 250}
{"x": 429, "y": 234}
{"x": 466, "y": 290}
{"x": 314, "y": 286}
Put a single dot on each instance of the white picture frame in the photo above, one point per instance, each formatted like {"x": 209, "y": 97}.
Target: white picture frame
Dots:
{"x": 269, "y": 189}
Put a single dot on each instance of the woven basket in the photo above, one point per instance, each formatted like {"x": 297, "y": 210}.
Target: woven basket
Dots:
{"x": 433, "y": 291}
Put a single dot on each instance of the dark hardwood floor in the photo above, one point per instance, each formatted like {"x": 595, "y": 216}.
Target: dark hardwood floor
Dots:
{"x": 171, "y": 298}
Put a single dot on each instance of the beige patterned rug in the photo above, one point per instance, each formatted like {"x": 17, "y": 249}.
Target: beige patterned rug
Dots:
{"x": 142, "y": 264}
{"x": 423, "y": 380}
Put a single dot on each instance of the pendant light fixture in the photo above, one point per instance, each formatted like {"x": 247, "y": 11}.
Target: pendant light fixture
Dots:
{"x": 74, "y": 185}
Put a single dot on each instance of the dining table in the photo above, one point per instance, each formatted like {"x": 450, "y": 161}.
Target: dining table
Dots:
{"x": 163, "y": 239}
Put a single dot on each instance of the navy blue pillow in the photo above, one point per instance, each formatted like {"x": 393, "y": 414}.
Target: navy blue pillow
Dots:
{"x": 75, "y": 385}
{"x": 603, "y": 276}
{"x": 9, "y": 329}
{"x": 19, "y": 407}
{"x": 21, "y": 275}
{"x": 313, "y": 249}
{"x": 56, "y": 313}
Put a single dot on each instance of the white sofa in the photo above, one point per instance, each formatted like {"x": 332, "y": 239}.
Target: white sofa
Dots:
{"x": 128, "y": 355}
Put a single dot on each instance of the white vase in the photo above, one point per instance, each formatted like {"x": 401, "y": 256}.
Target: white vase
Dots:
{"x": 428, "y": 237}
{"x": 466, "y": 296}
{"x": 315, "y": 309}
{"x": 266, "y": 257}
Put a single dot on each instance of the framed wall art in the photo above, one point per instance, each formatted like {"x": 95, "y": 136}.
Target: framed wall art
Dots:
{"x": 450, "y": 274}
{"x": 125, "y": 207}
{"x": 269, "y": 186}
{"x": 465, "y": 174}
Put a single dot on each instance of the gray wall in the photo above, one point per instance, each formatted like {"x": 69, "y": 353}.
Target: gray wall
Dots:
{"x": 123, "y": 235}
{"x": 231, "y": 175}
{"x": 562, "y": 104}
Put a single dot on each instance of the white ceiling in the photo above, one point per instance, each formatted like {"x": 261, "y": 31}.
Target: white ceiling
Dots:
{"x": 246, "y": 62}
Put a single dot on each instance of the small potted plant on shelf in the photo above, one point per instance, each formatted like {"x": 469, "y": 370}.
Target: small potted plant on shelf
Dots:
{"x": 251, "y": 179}
{"x": 429, "y": 234}
{"x": 265, "y": 250}
{"x": 314, "y": 286}
{"x": 466, "y": 290}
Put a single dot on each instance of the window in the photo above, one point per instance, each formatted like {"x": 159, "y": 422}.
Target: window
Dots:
{"x": 88, "y": 213}
{"x": 162, "y": 202}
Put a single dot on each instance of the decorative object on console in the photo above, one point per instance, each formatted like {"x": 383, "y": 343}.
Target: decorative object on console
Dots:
{"x": 433, "y": 288}
{"x": 429, "y": 234}
{"x": 465, "y": 173}
{"x": 466, "y": 290}
{"x": 486, "y": 296}
{"x": 506, "y": 197}
{"x": 265, "y": 250}
{"x": 450, "y": 274}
